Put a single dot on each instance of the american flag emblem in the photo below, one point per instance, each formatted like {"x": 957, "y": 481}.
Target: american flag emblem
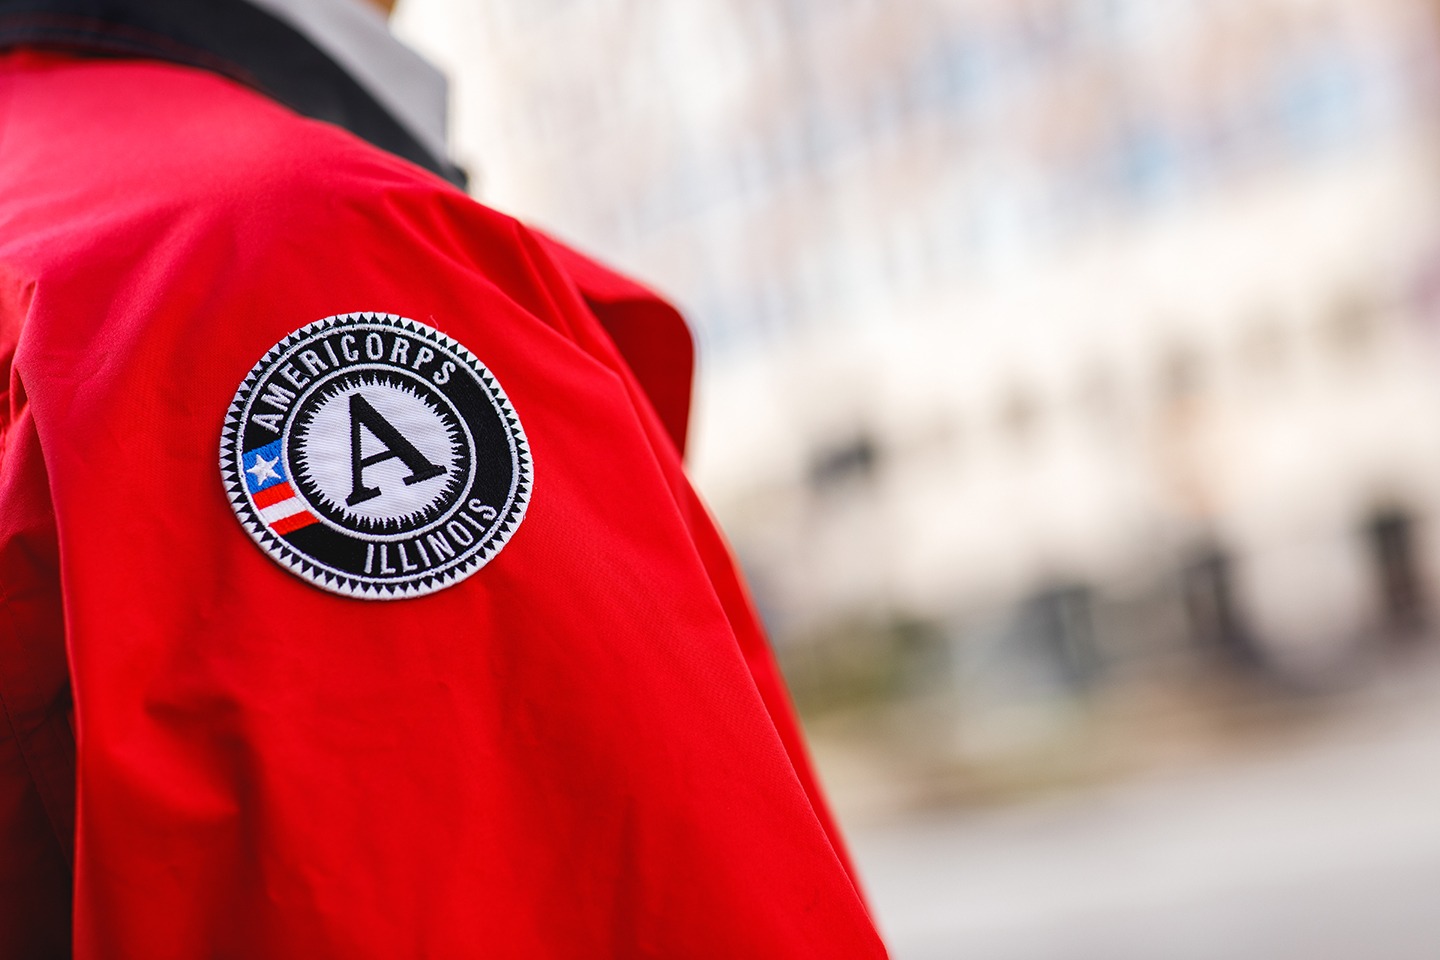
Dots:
{"x": 275, "y": 500}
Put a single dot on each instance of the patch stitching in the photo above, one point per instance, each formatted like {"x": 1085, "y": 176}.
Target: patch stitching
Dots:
{"x": 330, "y": 576}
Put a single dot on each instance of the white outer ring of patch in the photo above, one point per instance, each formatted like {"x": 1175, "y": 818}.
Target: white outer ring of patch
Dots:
{"x": 375, "y": 537}
{"x": 346, "y": 584}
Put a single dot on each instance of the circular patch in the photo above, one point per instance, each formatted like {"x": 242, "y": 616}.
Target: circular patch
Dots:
{"x": 375, "y": 457}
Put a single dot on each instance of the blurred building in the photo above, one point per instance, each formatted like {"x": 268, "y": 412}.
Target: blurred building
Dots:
{"x": 1017, "y": 305}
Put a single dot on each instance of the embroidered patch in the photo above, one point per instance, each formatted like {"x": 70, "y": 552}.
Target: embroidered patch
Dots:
{"x": 375, "y": 457}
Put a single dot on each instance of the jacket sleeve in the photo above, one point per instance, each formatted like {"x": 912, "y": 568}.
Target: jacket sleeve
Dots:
{"x": 658, "y": 354}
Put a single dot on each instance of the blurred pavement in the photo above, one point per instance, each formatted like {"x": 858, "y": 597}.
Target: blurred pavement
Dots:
{"x": 1324, "y": 850}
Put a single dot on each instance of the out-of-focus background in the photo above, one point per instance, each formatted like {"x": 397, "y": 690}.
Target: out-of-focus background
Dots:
{"x": 1070, "y": 391}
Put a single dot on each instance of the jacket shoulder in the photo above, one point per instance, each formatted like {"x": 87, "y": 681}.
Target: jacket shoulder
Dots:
{"x": 91, "y": 147}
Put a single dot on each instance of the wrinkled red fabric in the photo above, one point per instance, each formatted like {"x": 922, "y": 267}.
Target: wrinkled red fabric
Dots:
{"x": 583, "y": 750}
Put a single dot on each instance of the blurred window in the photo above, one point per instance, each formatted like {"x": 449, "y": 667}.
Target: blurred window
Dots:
{"x": 853, "y": 460}
{"x": 1148, "y": 163}
{"x": 1212, "y": 609}
{"x": 1264, "y": 346}
{"x": 1320, "y": 96}
{"x": 1182, "y": 375}
{"x": 1060, "y": 622}
{"x": 1019, "y": 415}
{"x": 1351, "y": 326}
{"x": 1391, "y": 536}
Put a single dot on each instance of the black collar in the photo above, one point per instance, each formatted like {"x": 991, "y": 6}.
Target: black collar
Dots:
{"x": 228, "y": 37}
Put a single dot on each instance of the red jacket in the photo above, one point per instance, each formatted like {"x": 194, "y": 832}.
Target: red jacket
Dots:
{"x": 575, "y": 746}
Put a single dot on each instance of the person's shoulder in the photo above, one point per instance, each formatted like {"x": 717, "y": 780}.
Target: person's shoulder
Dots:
{"x": 91, "y": 146}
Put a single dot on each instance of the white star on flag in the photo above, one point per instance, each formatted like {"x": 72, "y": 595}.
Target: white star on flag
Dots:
{"x": 264, "y": 469}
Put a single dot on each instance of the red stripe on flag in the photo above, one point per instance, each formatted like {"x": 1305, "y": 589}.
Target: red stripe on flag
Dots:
{"x": 293, "y": 522}
{"x": 271, "y": 495}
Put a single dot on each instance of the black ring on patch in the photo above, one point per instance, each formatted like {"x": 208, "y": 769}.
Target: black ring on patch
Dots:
{"x": 375, "y": 457}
